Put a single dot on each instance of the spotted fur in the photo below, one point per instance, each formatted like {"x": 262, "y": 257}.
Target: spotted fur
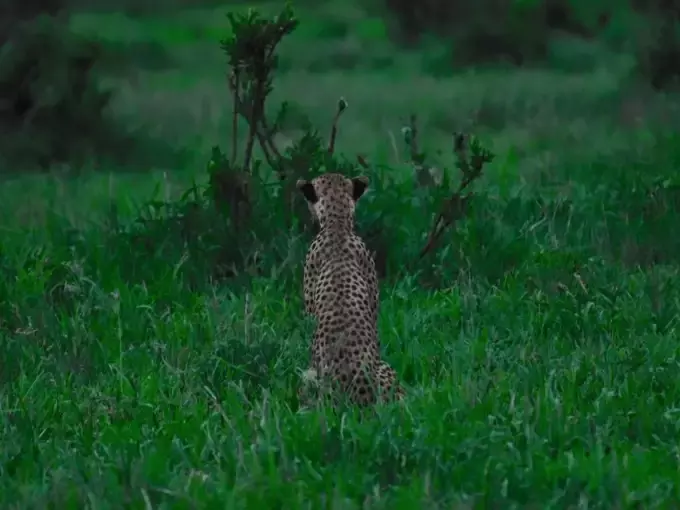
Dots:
{"x": 341, "y": 293}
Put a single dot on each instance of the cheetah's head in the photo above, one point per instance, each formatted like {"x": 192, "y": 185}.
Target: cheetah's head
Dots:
{"x": 332, "y": 197}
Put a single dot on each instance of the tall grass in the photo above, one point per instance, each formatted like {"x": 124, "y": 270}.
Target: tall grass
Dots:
{"x": 538, "y": 344}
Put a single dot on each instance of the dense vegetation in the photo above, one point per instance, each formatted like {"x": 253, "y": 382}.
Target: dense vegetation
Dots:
{"x": 523, "y": 220}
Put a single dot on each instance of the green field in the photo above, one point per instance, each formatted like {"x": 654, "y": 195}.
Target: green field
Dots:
{"x": 539, "y": 346}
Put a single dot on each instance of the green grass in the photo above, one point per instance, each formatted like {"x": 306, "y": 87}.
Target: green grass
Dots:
{"x": 543, "y": 369}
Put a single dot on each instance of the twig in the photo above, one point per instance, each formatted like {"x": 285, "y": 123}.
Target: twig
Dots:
{"x": 234, "y": 119}
{"x": 450, "y": 212}
{"x": 265, "y": 140}
{"x": 342, "y": 106}
{"x": 453, "y": 208}
{"x": 414, "y": 137}
{"x": 256, "y": 107}
{"x": 393, "y": 143}
{"x": 268, "y": 137}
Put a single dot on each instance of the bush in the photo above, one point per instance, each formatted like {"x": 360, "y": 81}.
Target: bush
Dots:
{"x": 658, "y": 53}
{"x": 488, "y": 30}
{"x": 52, "y": 109}
{"x": 249, "y": 220}
{"x": 492, "y": 30}
{"x": 263, "y": 224}
{"x": 520, "y": 32}
{"x": 14, "y": 13}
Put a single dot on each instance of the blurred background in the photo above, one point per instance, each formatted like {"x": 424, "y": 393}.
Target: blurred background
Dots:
{"x": 140, "y": 85}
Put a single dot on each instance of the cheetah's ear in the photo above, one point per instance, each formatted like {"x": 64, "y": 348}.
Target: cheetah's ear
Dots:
{"x": 359, "y": 185}
{"x": 307, "y": 189}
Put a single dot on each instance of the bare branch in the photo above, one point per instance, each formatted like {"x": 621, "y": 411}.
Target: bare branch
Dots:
{"x": 342, "y": 106}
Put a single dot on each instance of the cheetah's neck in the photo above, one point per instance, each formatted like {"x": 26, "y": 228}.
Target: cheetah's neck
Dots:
{"x": 337, "y": 227}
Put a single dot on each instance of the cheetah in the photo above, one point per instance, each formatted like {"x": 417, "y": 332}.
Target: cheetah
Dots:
{"x": 341, "y": 292}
